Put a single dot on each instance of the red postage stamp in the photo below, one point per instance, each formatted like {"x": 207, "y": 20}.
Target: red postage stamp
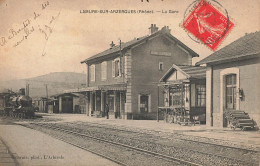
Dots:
{"x": 207, "y": 24}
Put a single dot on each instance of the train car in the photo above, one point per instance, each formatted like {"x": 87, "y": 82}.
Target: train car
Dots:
{"x": 4, "y": 102}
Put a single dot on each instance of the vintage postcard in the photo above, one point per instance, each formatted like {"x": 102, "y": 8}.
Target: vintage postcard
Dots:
{"x": 129, "y": 82}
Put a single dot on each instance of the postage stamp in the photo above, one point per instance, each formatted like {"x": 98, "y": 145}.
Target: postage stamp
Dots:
{"x": 207, "y": 24}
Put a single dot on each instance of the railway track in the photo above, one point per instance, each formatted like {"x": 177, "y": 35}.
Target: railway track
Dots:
{"x": 167, "y": 136}
{"x": 174, "y": 161}
{"x": 143, "y": 150}
{"x": 214, "y": 153}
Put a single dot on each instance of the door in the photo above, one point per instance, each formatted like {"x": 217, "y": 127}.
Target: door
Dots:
{"x": 56, "y": 106}
{"x": 67, "y": 105}
{"x": 111, "y": 102}
{"x": 144, "y": 99}
{"x": 231, "y": 92}
{"x": 230, "y": 95}
{"x": 117, "y": 104}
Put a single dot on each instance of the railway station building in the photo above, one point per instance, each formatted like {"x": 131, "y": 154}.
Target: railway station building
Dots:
{"x": 126, "y": 75}
{"x": 232, "y": 81}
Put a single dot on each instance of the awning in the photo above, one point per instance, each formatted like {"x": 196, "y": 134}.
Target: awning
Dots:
{"x": 116, "y": 87}
{"x": 175, "y": 82}
{"x": 87, "y": 89}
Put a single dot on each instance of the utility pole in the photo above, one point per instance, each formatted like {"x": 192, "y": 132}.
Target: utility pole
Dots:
{"x": 158, "y": 101}
{"x": 122, "y": 65}
{"x": 46, "y": 98}
{"x": 28, "y": 89}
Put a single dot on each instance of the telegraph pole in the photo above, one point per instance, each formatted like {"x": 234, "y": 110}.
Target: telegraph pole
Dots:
{"x": 158, "y": 102}
{"x": 28, "y": 89}
{"x": 46, "y": 86}
{"x": 122, "y": 65}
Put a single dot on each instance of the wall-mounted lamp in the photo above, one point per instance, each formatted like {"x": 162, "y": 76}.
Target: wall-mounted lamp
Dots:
{"x": 241, "y": 94}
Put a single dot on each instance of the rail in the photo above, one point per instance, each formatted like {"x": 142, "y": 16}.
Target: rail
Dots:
{"x": 157, "y": 155}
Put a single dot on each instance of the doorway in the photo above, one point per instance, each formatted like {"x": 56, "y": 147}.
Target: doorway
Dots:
{"x": 229, "y": 101}
{"x": 144, "y": 103}
{"x": 231, "y": 92}
{"x": 67, "y": 104}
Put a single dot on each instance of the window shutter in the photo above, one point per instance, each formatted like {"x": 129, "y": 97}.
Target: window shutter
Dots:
{"x": 120, "y": 67}
{"x": 91, "y": 73}
{"x": 113, "y": 68}
{"x": 105, "y": 70}
{"x": 94, "y": 71}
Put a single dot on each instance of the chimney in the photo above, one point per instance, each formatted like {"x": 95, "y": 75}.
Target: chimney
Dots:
{"x": 166, "y": 29}
{"x": 112, "y": 44}
{"x": 27, "y": 90}
{"x": 153, "y": 28}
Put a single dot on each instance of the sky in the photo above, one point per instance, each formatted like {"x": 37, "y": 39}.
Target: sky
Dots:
{"x": 38, "y": 36}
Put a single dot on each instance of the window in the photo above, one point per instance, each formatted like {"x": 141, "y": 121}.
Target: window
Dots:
{"x": 176, "y": 96}
{"x": 176, "y": 99}
{"x": 231, "y": 91}
{"x": 200, "y": 95}
{"x": 103, "y": 70}
{"x": 160, "y": 66}
{"x": 92, "y": 72}
{"x": 116, "y": 68}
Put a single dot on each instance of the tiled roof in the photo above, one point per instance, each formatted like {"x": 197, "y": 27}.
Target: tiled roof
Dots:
{"x": 136, "y": 41}
{"x": 192, "y": 72}
{"x": 245, "y": 46}
{"x": 116, "y": 49}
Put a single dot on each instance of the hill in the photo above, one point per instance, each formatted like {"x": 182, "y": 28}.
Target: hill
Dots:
{"x": 56, "y": 82}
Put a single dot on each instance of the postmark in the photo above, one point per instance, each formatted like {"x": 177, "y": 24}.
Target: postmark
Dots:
{"x": 207, "y": 24}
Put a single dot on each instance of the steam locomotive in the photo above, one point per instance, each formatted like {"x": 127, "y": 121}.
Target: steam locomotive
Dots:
{"x": 17, "y": 105}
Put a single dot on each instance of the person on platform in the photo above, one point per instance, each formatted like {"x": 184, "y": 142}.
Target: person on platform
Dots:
{"x": 107, "y": 111}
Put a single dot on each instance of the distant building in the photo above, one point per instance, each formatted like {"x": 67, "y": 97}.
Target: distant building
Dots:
{"x": 126, "y": 75}
{"x": 62, "y": 103}
{"x": 232, "y": 80}
{"x": 184, "y": 94}
{"x": 69, "y": 103}
{"x": 41, "y": 104}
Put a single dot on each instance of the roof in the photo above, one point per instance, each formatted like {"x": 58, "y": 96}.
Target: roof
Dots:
{"x": 62, "y": 94}
{"x": 244, "y": 47}
{"x": 136, "y": 41}
{"x": 5, "y": 92}
{"x": 191, "y": 72}
{"x": 194, "y": 71}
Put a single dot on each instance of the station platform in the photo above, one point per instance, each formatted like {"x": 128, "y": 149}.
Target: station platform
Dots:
{"x": 34, "y": 148}
{"x": 244, "y": 138}
{"x": 7, "y": 158}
